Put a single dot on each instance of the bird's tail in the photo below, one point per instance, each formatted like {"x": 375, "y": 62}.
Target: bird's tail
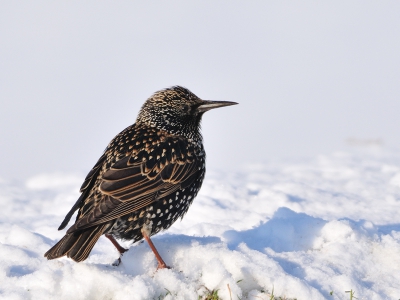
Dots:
{"x": 77, "y": 245}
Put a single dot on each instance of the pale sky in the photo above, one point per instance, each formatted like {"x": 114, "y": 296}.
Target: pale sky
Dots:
{"x": 308, "y": 76}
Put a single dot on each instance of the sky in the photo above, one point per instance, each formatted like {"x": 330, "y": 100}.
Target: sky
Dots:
{"x": 310, "y": 78}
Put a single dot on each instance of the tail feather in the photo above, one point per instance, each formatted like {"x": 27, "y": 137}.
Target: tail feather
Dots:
{"x": 76, "y": 245}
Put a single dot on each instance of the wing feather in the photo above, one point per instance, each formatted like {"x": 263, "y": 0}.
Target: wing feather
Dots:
{"x": 85, "y": 189}
{"x": 141, "y": 178}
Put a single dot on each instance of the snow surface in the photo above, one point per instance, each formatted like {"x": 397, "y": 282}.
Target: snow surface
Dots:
{"x": 301, "y": 229}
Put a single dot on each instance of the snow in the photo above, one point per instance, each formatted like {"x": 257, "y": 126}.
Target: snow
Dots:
{"x": 302, "y": 229}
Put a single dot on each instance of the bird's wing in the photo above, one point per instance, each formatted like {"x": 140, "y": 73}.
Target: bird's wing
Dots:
{"x": 85, "y": 189}
{"x": 141, "y": 178}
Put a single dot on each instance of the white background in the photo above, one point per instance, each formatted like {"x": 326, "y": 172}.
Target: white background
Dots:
{"x": 308, "y": 76}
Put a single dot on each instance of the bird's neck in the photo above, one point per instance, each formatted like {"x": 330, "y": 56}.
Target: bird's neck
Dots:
{"x": 189, "y": 130}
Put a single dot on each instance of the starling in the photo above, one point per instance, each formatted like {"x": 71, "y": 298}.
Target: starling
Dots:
{"x": 146, "y": 178}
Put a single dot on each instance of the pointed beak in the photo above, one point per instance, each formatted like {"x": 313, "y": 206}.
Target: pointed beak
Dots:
{"x": 207, "y": 105}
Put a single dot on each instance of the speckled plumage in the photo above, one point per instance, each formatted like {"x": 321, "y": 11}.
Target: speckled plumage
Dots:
{"x": 147, "y": 177}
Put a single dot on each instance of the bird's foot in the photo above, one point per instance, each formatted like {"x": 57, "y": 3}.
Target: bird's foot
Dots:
{"x": 162, "y": 266}
{"x": 161, "y": 263}
{"x": 117, "y": 262}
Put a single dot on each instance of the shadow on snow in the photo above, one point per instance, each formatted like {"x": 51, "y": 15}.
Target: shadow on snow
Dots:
{"x": 285, "y": 231}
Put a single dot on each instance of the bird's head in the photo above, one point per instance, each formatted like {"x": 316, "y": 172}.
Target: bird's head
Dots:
{"x": 178, "y": 111}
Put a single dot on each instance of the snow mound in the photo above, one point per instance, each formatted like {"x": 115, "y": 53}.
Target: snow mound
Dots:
{"x": 307, "y": 231}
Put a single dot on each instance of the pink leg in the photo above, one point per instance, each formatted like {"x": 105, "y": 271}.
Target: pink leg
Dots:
{"x": 161, "y": 263}
{"x": 120, "y": 249}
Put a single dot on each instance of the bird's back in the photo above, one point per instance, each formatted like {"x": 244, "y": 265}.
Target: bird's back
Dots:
{"x": 147, "y": 176}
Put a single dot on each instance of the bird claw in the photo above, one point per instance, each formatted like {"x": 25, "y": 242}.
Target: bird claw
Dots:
{"x": 117, "y": 262}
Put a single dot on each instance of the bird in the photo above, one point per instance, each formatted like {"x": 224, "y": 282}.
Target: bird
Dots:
{"x": 145, "y": 180}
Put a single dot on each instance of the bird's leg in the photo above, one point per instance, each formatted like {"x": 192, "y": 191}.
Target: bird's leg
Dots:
{"x": 161, "y": 263}
{"x": 120, "y": 249}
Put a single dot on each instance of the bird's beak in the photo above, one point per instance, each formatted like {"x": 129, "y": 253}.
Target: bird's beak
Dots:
{"x": 207, "y": 105}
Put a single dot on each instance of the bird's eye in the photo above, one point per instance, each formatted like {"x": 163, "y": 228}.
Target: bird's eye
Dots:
{"x": 186, "y": 108}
